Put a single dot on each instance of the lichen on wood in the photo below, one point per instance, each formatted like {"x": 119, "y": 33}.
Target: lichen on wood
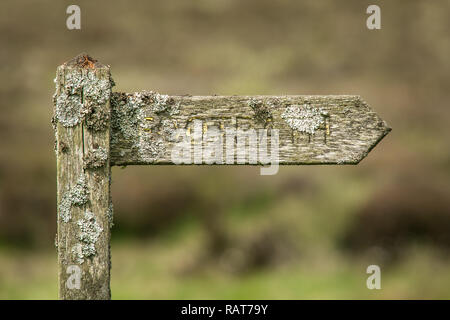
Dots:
{"x": 150, "y": 149}
{"x": 95, "y": 158}
{"x": 82, "y": 127}
{"x": 305, "y": 119}
{"x": 148, "y": 130}
{"x": 89, "y": 232}
{"x": 110, "y": 214}
{"x": 163, "y": 103}
{"x": 126, "y": 115}
{"x": 76, "y": 196}
{"x": 312, "y": 129}
{"x": 81, "y": 95}
{"x": 261, "y": 110}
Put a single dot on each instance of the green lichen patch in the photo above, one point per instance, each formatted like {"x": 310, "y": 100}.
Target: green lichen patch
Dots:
{"x": 78, "y": 195}
{"x": 96, "y": 158}
{"x": 89, "y": 233}
{"x": 305, "y": 119}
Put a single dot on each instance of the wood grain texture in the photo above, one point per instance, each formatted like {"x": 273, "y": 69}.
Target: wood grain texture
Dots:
{"x": 344, "y": 130}
{"x": 83, "y": 180}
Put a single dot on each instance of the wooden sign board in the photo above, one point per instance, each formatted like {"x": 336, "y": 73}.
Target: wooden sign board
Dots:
{"x": 311, "y": 129}
{"x": 96, "y": 129}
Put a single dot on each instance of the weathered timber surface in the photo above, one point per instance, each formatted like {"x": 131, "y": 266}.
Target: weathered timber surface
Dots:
{"x": 82, "y": 123}
{"x": 312, "y": 129}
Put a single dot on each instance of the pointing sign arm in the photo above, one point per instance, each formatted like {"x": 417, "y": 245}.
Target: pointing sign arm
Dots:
{"x": 312, "y": 129}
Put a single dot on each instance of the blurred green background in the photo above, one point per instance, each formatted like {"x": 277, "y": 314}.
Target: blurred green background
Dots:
{"x": 227, "y": 232}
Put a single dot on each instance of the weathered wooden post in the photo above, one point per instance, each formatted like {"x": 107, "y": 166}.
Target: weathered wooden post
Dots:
{"x": 96, "y": 129}
{"x": 82, "y": 123}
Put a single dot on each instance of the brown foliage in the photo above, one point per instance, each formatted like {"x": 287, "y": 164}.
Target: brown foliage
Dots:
{"x": 409, "y": 211}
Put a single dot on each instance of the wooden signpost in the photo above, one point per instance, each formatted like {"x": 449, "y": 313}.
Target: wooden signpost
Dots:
{"x": 96, "y": 129}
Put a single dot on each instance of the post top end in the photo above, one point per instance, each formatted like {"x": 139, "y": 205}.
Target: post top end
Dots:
{"x": 84, "y": 61}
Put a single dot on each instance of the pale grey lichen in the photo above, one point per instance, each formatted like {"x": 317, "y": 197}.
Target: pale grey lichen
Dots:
{"x": 151, "y": 149}
{"x": 145, "y": 133}
{"x": 89, "y": 233}
{"x": 69, "y": 109}
{"x": 127, "y": 115}
{"x": 163, "y": 103}
{"x": 136, "y": 99}
{"x": 96, "y": 91}
{"x": 64, "y": 207}
{"x": 78, "y": 195}
{"x": 305, "y": 119}
{"x": 82, "y": 92}
{"x": 96, "y": 158}
{"x": 160, "y": 103}
{"x": 168, "y": 129}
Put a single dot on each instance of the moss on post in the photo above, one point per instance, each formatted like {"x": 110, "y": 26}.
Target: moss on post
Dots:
{"x": 82, "y": 128}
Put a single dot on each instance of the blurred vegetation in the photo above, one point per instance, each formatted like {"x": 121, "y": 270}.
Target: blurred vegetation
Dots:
{"x": 227, "y": 232}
